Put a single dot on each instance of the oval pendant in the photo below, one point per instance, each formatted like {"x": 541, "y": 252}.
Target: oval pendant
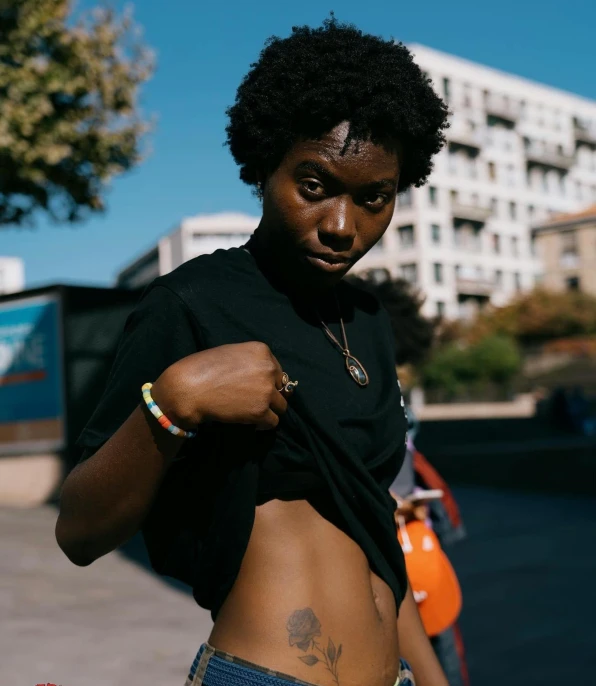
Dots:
{"x": 356, "y": 370}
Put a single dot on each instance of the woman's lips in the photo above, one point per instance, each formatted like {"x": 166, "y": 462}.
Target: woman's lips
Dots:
{"x": 327, "y": 264}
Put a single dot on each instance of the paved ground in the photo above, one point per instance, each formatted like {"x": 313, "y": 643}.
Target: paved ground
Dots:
{"x": 109, "y": 624}
{"x": 528, "y": 572}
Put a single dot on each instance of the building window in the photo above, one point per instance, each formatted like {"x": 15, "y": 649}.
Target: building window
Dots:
{"x": 572, "y": 283}
{"x": 440, "y": 308}
{"x": 514, "y": 246}
{"x": 406, "y": 236}
{"x": 531, "y": 213}
{"x": 499, "y": 278}
{"x": 517, "y": 281}
{"x": 378, "y": 248}
{"x": 410, "y": 272}
{"x": 458, "y": 271}
{"x": 454, "y": 196}
{"x": 432, "y": 196}
{"x": 569, "y": 243}
{"x": 435, "y": 230}
{"x": 471, "y": 167}
{"x": 438, "y": 272}
{"x": 446, "y": 88}
{"x": 404, "y": 199}
{"x": 458, "y": 237}
{"x": 492, "y": 171}
{"x": 512, "y": 210}
{"x": 494, "y": 207}
{"x": 496, "y": 243}
{"x": 510, "y": 175}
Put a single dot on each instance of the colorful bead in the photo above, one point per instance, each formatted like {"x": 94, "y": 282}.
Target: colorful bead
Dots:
{"x": 160, "y": 416}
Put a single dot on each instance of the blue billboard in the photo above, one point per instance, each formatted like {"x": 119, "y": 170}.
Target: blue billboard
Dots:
{"x": 31, "y": 375}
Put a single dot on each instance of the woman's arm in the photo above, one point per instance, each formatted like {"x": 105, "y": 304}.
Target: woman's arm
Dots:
{"x": 105, "y": 499}
{"x": 415, "y": 646}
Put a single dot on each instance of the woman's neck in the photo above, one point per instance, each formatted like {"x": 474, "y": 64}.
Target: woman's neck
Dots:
{"x": 305, "y": 294}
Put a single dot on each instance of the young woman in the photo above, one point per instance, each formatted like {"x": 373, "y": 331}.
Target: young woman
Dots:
{"x": 272, "y": 500}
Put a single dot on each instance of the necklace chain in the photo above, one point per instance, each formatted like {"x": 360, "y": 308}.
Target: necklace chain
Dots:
{"x": 344, "y": 348}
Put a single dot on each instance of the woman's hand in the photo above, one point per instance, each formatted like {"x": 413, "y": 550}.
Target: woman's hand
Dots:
{"x": 410, "y": 510}
{"x": 235, "y": 384}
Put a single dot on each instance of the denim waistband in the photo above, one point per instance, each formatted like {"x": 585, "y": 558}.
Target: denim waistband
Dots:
{"x": 214, "y": 667}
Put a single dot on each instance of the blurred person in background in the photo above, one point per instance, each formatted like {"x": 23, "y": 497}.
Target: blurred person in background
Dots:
{"x": 414, "y": 335}
{"x": 286, "y": 533}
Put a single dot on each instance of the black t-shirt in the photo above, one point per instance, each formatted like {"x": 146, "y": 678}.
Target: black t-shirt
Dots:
{"x": 339, "y": 445}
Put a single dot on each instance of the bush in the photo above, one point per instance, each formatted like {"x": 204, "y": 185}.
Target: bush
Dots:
{"x": 455, "y": 368}
{"x": 584, "y": 346}
{"x": 497, "y": 358}
{"x": 539, "y": 316}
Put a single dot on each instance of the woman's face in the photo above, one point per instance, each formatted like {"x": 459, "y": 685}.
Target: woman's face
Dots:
{"x": 322, "y": 211}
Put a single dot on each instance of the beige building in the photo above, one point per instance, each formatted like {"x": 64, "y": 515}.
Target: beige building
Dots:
{"x": 566, "y": 246}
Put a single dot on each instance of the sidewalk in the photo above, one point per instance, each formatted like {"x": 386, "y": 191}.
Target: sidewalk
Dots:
{"x": 527, "y": 571}
{"x": 109, "y": 624}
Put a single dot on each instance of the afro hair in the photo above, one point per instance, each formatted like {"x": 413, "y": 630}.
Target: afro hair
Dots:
{"x": 304, "y": 85}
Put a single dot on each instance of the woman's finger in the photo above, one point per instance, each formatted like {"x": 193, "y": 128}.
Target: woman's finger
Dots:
{"x": 279, "y": 403}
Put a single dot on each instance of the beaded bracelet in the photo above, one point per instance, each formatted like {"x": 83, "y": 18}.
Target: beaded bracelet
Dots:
{"x": 160, "y": 416}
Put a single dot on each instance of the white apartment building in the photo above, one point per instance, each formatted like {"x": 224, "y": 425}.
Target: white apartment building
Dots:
{"x": 195, "y": 236}
{"x": 12, "y": 275}
{"x": 518, "y": 152}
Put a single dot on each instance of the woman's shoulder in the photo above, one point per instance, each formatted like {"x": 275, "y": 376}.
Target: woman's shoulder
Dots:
{"x": 207, "y": 273}
{"x": 356, "y": 292}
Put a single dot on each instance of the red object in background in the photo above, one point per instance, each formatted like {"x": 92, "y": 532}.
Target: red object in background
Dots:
{"x": 433, "y": 479}
{"x": 462, "y": 655}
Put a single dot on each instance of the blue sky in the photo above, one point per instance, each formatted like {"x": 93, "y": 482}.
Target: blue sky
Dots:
{"x": 204, "y": 49}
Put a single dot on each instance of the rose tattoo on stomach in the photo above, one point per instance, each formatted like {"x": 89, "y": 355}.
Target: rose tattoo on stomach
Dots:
{"x": 304, "y": 629}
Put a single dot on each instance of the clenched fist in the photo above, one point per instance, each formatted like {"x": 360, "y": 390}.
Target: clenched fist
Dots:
{"x": 236, "y": 384}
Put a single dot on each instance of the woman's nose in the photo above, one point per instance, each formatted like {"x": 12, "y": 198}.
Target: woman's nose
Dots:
{"x": 337, "y": 229}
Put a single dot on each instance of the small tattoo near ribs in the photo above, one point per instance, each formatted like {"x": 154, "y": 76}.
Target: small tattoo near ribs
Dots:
{"x": 304, "y": 628}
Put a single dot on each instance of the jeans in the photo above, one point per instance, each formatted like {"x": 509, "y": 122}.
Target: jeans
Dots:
{"x": 213, "y": 667}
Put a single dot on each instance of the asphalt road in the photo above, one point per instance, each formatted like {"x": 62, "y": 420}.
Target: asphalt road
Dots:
{"x": 527, "y": 568}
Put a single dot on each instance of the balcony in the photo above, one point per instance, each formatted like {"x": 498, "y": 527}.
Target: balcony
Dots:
{"x": 583, "y": 134}
{"x": 461, "y": 137}
{"x": 545, "y": 157}
{"x": 474, "y": 286}
{"x": 502, "y": 110}
{"x": 475, "y": 214}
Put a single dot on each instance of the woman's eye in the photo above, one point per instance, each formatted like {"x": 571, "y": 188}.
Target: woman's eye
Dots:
{"x": 313, "y": 187}
{"x": 377, "y": 200}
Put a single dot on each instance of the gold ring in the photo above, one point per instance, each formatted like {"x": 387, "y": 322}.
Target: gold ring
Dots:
{"x": 287, "y": 386}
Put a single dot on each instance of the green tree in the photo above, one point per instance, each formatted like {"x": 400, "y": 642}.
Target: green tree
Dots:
{"x": 496, "y": 358}
{"x": 69, "y": 118}
{"x": 456, "y": 367}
